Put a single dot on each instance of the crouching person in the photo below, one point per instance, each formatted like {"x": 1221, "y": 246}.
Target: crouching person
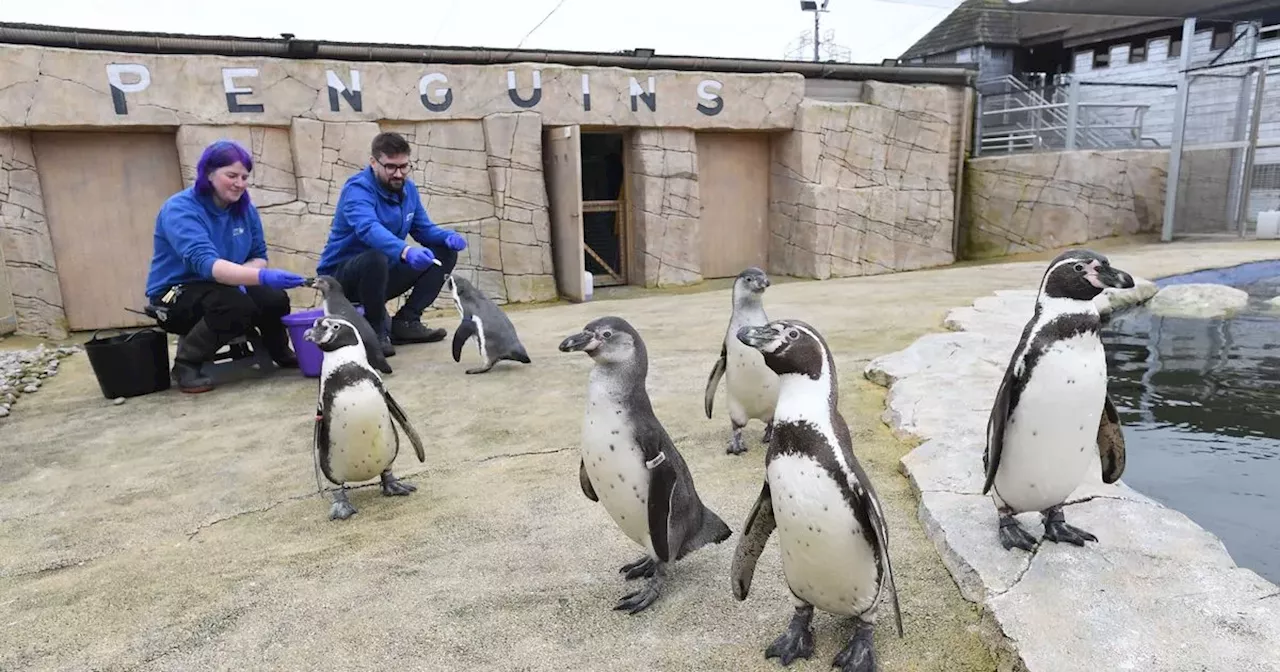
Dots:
{"x": 209, "y": 274}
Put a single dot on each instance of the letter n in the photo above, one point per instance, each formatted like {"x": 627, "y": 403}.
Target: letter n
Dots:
{"x": 352, "y": 93}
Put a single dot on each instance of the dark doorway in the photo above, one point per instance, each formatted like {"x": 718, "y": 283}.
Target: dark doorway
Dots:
{"x": 603, "y": 212}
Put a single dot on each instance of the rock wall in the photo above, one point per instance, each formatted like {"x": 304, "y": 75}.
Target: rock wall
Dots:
{"x": 666, "y": 207}
{"x": 864, "y": 188}
{"x": 1034, "y": 202}
{"x": 24, "y": 237}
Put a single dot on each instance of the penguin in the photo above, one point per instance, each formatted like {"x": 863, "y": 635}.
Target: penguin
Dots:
{"x": 831, "y": 528}
{"x": 630, "y": 465}
{"x": 495, "y": 335}
{"x": 1052, "y": 410}
{"x": 750, "y": 386}
{"x": 355, "y": 438}
{"x": 336, "y": 304}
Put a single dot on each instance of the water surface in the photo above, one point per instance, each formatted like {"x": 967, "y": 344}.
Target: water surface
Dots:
{"x": 1200, "y": 402}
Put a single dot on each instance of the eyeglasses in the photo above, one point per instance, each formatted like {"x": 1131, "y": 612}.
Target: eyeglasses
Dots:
{"x": 395, "y": 167}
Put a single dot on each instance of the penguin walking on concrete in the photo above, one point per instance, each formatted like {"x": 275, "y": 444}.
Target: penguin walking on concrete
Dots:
{"x": 1052, "y": 413}
{"x": 831, "y": 529}
{"x": 335, "y": 304}
{"x": 751, "y": 387}
{"x": 495, "y": 335}
{"x": 629, "y": 463}
{"x": 355, "y": 435}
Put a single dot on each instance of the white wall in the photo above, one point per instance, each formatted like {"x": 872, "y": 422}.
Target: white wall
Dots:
{"x": 1212, "y": 107}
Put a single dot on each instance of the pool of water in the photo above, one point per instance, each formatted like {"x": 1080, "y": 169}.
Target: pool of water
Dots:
{"x": 1200, "y": 402}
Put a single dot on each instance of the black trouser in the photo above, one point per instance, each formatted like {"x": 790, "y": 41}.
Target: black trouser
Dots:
{"x": 371, "y": 280}
{"x": 229, "y": 313}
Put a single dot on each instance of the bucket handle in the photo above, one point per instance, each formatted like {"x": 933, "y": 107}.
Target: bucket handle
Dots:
{"x": 94, "y": 337}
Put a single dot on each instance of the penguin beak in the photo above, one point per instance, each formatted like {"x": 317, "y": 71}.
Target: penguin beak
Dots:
{"x": 309, "y": 282}
{"x": 755, "y": 337}
{"x": 583, "y": 341}
{"x": 1103, "y": 277}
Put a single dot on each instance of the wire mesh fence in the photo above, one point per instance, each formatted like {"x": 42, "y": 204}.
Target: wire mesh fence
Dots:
{"x": 1229, "y": 157}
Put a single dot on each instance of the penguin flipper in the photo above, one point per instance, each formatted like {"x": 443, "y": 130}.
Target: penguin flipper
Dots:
{"x": 713, "y": 381}
{"x": 755, "y": 534}
{"x": 1110, "y": 442}
{"x": 320, "y": 443}
{"x": 466, "y": 329}
{"x": 585, "y": 482}
{"x": 995, "y": 428}
{"x": 679, "y": 523}
{"x": 398, "y": 414}
{"x": 868, "y": 501}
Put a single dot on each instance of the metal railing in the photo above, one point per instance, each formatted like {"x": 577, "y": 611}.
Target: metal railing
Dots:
{"x": 1027, "y": 117}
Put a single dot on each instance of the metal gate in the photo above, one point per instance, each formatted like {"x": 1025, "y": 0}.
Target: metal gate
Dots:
{"x": 1226, "y": 148}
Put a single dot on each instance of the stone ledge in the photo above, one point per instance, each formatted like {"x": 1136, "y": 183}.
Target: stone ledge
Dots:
{"x": 1157, "y": 592}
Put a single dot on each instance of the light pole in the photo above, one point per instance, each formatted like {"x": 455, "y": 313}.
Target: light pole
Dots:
{"x": 813, "y": 6}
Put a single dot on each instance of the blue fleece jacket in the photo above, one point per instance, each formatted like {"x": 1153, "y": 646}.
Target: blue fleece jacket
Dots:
{"x": 370, "y": 216}
{"x": 192, "y": 232}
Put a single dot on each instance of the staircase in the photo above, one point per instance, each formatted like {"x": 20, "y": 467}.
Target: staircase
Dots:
{"x": 1035, "y": 115}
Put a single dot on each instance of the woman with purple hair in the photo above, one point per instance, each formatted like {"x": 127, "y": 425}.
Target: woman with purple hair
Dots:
{"x": 209, "y": 271}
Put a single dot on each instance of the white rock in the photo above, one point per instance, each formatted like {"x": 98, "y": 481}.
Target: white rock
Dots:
{"x": 1198, "y": 301}
{"x": 118, "y": 401}
{"x": 1111, "y": 300}
{"x": 30, "y": 389}
{"x": 4, "y": 412}
{"x": 1156, "y": 592}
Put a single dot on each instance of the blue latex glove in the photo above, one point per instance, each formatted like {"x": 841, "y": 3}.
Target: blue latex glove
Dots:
{"x": 276, "y": 278}
{"x": 242, "y": 289}
{"x": 455, "y": 242}
{"x": 419, "y": 258}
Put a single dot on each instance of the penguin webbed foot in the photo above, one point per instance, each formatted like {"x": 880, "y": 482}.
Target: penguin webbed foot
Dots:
{"x": 639, "y": 600}
{"x": 1056, "y": 528}
{"x": 392, "y": 486}
{"x": 1014, "y": 535}
{"x": 736, "y": 446}
{"x": 768, "y": 433}
{"x": 645, "y": 567}
{"x": 797, "y": 641}
{"x": 341, "y": 509}
{"x": 859, "y": 655}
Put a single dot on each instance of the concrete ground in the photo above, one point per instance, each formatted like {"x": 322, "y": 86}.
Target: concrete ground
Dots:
{"x": 185, "y": 532}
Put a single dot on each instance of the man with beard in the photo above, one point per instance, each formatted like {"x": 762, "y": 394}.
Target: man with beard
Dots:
{"x": 367, "y": 253}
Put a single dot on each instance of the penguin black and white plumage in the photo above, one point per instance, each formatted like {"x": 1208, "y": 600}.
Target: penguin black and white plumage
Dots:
{"x": 1052, "y": 413}
{"x": 629, "y": 463}
{"x": 751, "y": 388}
{"x": 832, "y": 531}
{"x": 335, "y": 304}
{"x": 355, "y": 434}
{"x": 495, "y": 335}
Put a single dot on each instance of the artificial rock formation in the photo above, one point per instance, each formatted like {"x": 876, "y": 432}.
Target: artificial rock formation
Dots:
{"x": 1034, "y": 202}
{"x": 24, "y": 237}
{"x": 864, "y": 188}
{"x": 666, "y": 207}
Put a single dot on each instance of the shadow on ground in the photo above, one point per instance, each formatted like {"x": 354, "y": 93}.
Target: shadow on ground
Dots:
{"x": 185, "y": 532}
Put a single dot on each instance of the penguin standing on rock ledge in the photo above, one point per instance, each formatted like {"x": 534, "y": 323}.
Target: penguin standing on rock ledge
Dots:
{"x": 832, "y": 532}
{"x": 1052, "y": 413}
{"x": 629, "y": 463}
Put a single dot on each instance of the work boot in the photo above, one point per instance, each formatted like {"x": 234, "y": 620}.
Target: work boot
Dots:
{"x": 412, "y": 330}
{"x": 384, "y": 336}
{"x": 197, "y": 347}
{"x": 277, "y": 342}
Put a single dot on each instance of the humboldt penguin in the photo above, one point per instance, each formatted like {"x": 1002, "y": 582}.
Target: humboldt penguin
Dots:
{"x": 630, "y": 465}
{"x": 495, "y": 335}
{"x": 831, "y": 528}
{"x": 751, "y": 388}
{"x": 355, "y": 435}
{"x": 1052, "y": 413}
{"x": 335, "y": 304}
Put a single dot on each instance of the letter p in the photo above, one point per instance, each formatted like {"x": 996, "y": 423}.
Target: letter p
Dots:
{"x": 115, "y": 78}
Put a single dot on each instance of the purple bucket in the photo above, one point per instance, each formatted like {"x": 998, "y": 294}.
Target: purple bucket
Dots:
{"x": 310, "y": 358}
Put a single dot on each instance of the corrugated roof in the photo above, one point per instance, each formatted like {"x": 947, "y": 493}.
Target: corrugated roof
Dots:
{"x": 1001, "y": 23}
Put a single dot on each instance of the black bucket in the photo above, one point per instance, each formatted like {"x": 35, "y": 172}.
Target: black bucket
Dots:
{"x": 130, "y": 365}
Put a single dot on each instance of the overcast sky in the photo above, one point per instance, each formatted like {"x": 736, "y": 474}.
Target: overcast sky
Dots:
{"x": 871, "y": 30}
